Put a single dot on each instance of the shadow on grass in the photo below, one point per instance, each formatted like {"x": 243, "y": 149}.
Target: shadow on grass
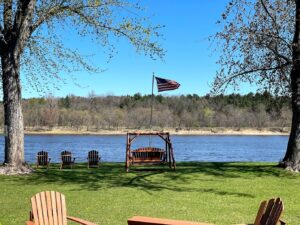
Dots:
{"x": 233, "y": 170}
{"x": 188, "y": 177}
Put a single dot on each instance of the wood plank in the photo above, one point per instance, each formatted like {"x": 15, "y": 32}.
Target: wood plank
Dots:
{"x": 49, "y": 208}
{"x": 269, "y": 207}
{"x": 260, "y": 213}
{"x": 81, "y": 221}
{"x": 64, "y": 209}
{"x": 54, "y": 207}
{"x": 275, "y": 212}
{"x": 34, "y": 208}
{"x": 278, "y": 213}
{"x": 272, "y": 213}
{"x": 59, "y": 210}
{"x": 141, "y": 220}
{"x": 44, "y": 208}
{"x": 39, "y": 220}
{"x": 148, "y": 150}
{"x": 146, "y": 160}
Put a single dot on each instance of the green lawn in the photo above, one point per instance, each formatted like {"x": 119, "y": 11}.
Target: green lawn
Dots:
{"x": 220, "y": 193}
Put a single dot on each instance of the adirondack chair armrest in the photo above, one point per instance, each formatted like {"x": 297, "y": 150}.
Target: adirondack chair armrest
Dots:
{"x": 80, "y": 221}
{"x": 142, "y": 220}
{"x": 30, "y": 223}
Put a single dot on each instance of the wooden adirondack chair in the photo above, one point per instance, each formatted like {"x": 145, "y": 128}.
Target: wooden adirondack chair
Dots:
{"x": 49, "y": 208}
{"x": 93, "y": 159}
{"x": 42, "y": 159}
{"x": 66, "y": 159}
{"x": 269, "y": 213}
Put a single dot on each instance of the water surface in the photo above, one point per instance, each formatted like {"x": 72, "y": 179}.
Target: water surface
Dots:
{"x": 186, "y": 148}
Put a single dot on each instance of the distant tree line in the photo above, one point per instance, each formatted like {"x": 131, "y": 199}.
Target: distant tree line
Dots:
{"x": 94, "y": 112}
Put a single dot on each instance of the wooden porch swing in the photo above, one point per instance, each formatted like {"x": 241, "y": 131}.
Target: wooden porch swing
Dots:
{"x": 149, "y": 155}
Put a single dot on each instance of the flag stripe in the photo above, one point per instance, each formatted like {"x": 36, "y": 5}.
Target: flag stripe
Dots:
{"x": 166, "y": 85}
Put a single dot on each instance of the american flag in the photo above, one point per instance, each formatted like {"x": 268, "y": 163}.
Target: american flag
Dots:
{"x": 166, "y": 85}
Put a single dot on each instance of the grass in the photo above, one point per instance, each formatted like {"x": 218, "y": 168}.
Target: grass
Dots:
{"x": 220, "y": 193}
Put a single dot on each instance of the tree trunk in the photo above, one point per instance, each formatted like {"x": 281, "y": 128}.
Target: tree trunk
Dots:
{"x": 292, "y": 156}
{"x": 13, "y": 117}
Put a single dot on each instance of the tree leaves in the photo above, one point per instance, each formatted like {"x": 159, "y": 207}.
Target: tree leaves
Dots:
{"x": 100, "y": 21}
{"x": 255, "y": 45}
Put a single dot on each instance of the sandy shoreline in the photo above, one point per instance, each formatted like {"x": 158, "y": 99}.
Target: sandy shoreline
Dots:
{"x": 205, "y": 131}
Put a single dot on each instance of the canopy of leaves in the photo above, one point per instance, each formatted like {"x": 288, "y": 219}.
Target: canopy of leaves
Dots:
{"x": 255, "y": 45}
{"x": 46, "y": 55}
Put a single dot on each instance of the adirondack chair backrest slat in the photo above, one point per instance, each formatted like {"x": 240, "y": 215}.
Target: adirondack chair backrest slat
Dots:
{"x": 54, "y": 208}
{"x": 275, "y": 213}
{"x": 260, "y": 213}
{"x": 44, "y": 208}
{"x": 269, "y": 212}
{"x": 49, "y": 208}
{"x": 265, "y": 217}
{"x": 36, "y": 208}
{"x": 63, "y": 209}
{"x": 59, "y": 209}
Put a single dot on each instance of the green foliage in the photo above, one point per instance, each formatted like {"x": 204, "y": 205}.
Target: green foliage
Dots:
{"x": 65, "y": 102}
{"x": 36, "y": 101}
{"x": 190, "y": 111}
{"x": 208, "y": 112}
{"x": 219, "y": 193}
{"x": 137, "y": 97}
{"x": 101, "y": 23}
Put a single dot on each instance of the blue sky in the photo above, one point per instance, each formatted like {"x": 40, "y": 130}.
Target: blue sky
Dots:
{"x": 189, "y": 59}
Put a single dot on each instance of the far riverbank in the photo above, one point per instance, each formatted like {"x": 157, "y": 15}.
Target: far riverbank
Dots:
{"x": 200, "y": 131}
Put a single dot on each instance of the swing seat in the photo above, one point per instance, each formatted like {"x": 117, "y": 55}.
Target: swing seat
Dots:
{"x": 148, "y": 155}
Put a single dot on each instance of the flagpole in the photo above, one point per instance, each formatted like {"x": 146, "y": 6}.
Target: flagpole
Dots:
{"x": 152, "y": 102}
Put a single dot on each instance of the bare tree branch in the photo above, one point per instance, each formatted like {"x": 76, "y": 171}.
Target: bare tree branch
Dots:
{"x": 272, "y": 36}
{"x": 269, "y": 14}
{"x": 256, "y": 45}
{"x": 234, "y": 76}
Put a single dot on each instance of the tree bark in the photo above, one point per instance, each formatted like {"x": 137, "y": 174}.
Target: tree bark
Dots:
{"x": 13, "y": 117}
{"x": 15, "y": 34}
{"x": 292, "y": 156}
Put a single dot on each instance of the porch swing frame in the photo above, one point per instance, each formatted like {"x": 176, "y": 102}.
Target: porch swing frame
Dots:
{"x": 149, "y": 155}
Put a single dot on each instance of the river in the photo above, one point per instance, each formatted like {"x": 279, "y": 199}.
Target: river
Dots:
{"x": 186, "y": 148}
